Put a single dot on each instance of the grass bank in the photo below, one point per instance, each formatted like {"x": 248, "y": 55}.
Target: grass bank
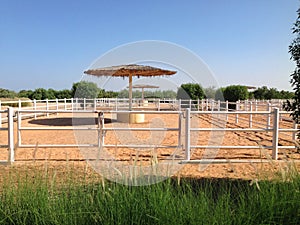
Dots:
{"x": 36, "y": 199}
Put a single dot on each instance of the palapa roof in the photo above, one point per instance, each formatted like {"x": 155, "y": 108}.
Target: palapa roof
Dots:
{"x": 131, "y": 69}
{"x": 144, "y": 86}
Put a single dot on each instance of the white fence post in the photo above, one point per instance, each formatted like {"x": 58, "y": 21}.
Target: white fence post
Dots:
{"x": 268, "y": 115}
{"x": 250, "y": 116}
{"x": 72, "y": 104}
{"x": 294, "y": 133}
{"x": 227, "y": 110}
{"x": 179, "y": 104}
{"x": 95, "y": 104}
{"x": 11, "y": 153}
{"x": 56, "y": 102}
{"x": 84, "y": 103}
{"x": 65, "y": 104}
{"x": 34, "y": 107}
{"x": 187, "y": 134}
{"x": 20, "y": 104}
{"x": 198, "y": 104}
{"x": 237, "y": 107}
{"x": 179, "y": 129}
{"x": 47, "y": 106}
{"x": 275, "y": 134}
{"x": 19, "y": 121}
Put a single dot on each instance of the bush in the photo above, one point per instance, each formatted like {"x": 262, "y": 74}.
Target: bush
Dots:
{"x": 234, "y": 93}
{"x": 190, "y": 91}
{"x": 84, "y": 89}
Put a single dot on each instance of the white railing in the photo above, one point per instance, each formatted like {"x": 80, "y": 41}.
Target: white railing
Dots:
{"x": 275, "y": 129}
{"x": 98, "y": 127}
{"x": 10, "y": 133}
{"x": 270, "y": 118}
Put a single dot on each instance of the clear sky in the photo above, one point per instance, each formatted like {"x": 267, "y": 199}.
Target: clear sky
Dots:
{"x": 50, "y": 43}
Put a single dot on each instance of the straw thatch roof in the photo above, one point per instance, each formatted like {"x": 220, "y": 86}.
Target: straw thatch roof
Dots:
{"x": 126, "y": 70}
{"x": 144, "y": 86}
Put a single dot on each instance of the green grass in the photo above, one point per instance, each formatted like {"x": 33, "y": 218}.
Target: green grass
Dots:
{"x": 46, "y": 200}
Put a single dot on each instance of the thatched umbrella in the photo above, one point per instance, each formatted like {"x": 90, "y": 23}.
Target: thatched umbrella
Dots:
{"x": 129, "y": 71}
{"x": 143, "y": 86}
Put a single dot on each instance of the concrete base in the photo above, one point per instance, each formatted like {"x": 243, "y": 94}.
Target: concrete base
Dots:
{"x": 131, "y": 117}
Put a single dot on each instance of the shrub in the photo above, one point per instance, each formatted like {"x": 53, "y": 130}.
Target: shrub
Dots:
{"x": 190, "y": 91}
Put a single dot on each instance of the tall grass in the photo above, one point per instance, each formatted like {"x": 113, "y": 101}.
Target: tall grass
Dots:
{"x": 44, "y": 199}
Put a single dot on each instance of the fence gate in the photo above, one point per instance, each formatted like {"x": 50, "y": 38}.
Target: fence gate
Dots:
{"x": 9, "y": 147}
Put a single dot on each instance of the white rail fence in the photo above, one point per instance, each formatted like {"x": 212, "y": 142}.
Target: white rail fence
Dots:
{"x": 184, "y": 117}
{"x": 275, "y": 129}
{"x": 121, "y": 104}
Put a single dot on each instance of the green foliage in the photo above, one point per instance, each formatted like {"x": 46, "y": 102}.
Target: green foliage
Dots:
{"x": 25, "y": 94}
{"x": 39, "y": 94}
{"x": 65, "y": 93}
{"x": 294, "y": 50}
{"x": 5, "y": 93}
{"x": 84, "y": 89}
{"x": 42, "y": 199}
{"x": 190, "y": 91}
{"x": 234, "y": 93}
{"x": 271, "y": 93}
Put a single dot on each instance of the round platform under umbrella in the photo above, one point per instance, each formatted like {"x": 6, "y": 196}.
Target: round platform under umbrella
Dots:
{"x": 129, "y": 71}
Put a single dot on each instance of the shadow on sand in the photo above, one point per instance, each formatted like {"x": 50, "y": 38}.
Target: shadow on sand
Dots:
{"x": 69, "y": 121}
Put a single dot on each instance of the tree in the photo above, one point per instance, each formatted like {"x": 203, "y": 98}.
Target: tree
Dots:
{"x": 65, "y": 93}
{"x": 294, "y": 50}
{"x": 5, "y": 93}
{"x": 190, "y": 91}
{"x": 261, "y": 92}
{"x": 84, "y": 89}
{"x": 234, "y": 93}
{"x": 39, "y": 94}
{"x": 25, "y": 94}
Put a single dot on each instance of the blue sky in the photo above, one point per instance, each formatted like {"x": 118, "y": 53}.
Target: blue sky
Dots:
{"x": 50, "y": 43}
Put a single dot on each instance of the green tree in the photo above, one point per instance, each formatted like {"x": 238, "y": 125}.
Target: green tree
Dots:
{"x": 5, "y": 93}
{"x": 85, "y": 89}
{"x": 25, "y": 94}
{"x": 51, "y": 93}
{"x": 261, "y": 93}
{"x": 65, "y": 93}
{"x": 39, "y": 94}
{"x": 190, "y": 91}
{"x": 234, "y": 93}
{"x": 294, "y": 49}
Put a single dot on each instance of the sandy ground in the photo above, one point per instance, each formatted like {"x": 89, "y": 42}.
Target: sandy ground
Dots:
{"x": 61, "y": 160}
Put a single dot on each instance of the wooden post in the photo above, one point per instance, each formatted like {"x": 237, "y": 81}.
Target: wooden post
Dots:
{"x": 130, "y": 92}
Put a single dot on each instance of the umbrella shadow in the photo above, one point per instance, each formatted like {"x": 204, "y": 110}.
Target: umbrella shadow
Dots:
{"x": 69, "y": 121}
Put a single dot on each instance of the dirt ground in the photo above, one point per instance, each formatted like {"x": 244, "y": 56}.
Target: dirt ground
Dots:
{"x": 61, "y": 160}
